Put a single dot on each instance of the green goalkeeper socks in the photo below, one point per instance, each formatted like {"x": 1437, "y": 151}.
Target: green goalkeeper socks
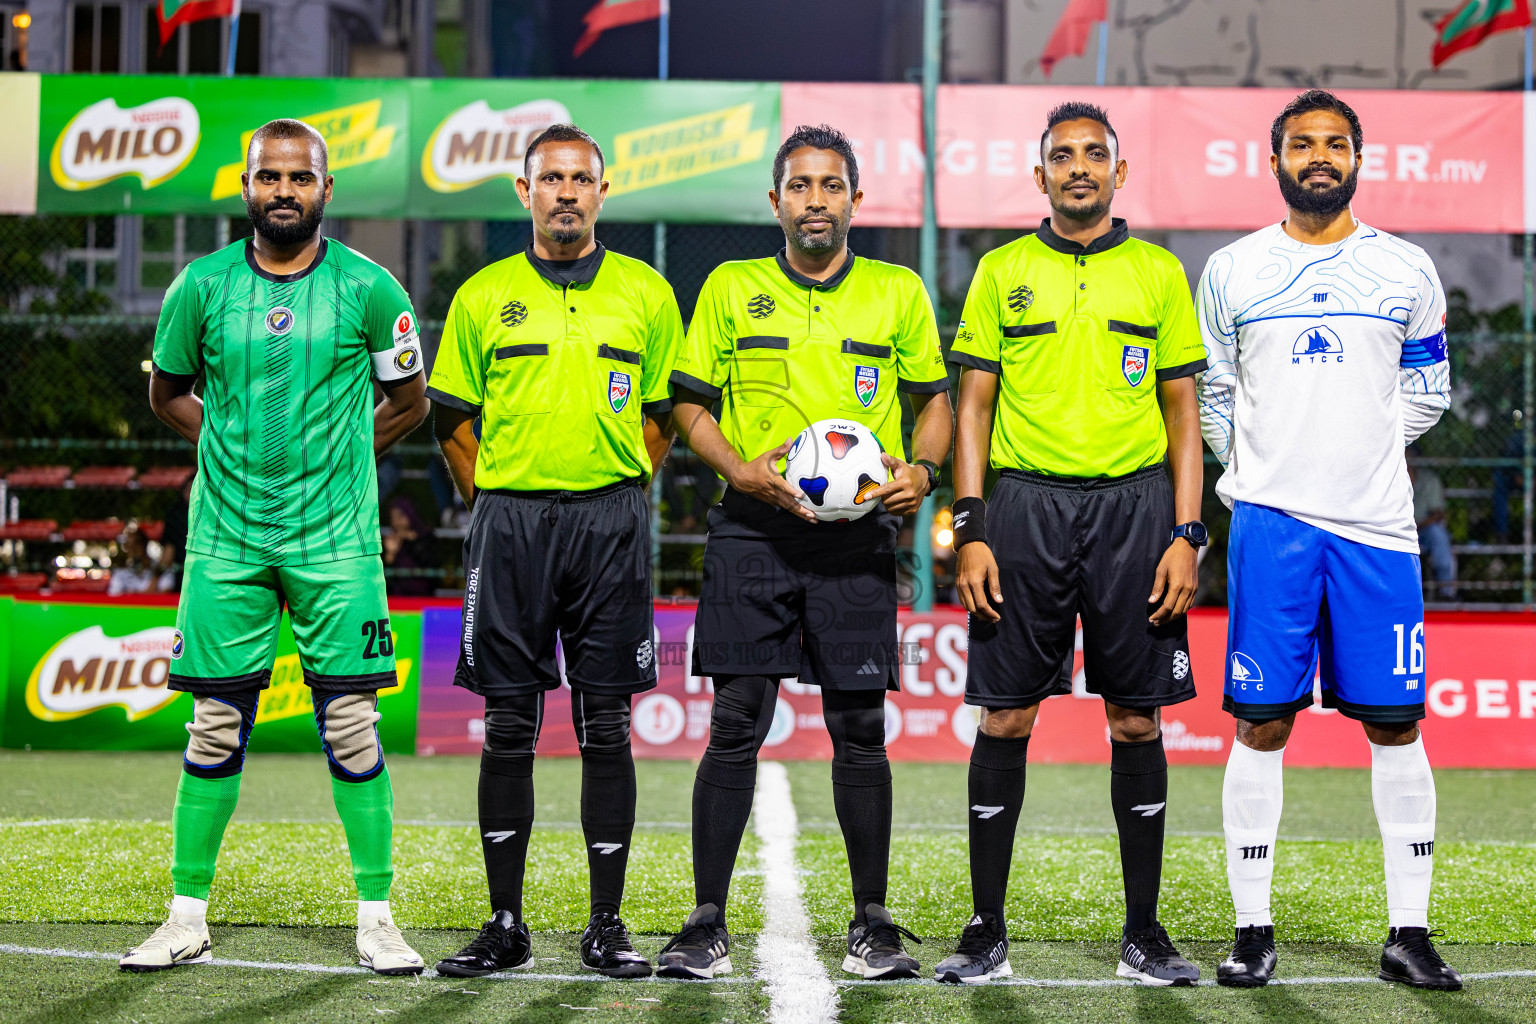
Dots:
{"x": 367, "y": 811}
{"x": 203, "y": 809}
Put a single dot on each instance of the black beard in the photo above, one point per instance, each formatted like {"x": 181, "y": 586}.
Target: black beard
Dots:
{"x": 286, "y": 234}
{"x": 1097, "y": 208}
{"x": 565, "y": 236}
{"x": 1325, "y": 202}
{"x": 816, "y": 245}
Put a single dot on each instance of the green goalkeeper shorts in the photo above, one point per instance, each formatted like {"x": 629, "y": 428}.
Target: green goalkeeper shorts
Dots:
{"x": 228, "y": 618}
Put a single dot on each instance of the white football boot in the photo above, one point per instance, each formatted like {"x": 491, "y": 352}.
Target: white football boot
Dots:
{"x": 381, "y": 947}
{"x": 181, "y": 940}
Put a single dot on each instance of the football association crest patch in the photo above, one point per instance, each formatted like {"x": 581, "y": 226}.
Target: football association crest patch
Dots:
{"x": 866, "y": 382}
{"x": 279, "y": 320}
{"x": 618, "y": 390}
{"x": 1133, "y": 363}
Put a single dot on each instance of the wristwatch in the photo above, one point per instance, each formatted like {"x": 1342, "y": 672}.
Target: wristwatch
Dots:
{"x": 933, "y": 473}
{"x": 1194, "y": 532}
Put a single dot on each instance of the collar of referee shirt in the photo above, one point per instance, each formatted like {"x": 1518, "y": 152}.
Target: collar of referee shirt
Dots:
{"x": 563, "y": 273}
{"x": 1118, "y": 232}
{"x": 810, "y": 282}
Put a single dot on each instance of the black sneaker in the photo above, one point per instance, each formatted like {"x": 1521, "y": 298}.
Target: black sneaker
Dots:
{"x": 502, "y": 945}
{"x": 874, "y": 948}
{"x": 605, "y": 948}
{"x": 701, "y": 950}
{"x": 1409, "y": 957}
{"x": 1149, "y": 957}
{"x": 981, "y": 956}
{"x": 1252, "y": 959}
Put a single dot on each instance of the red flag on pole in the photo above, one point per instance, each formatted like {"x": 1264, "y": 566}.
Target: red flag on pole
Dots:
{"x": 1070, "y": 37}
{"x": 607, "y": 14}
{"x": 173, "y": 13}
{"x": 1475, "y": 21}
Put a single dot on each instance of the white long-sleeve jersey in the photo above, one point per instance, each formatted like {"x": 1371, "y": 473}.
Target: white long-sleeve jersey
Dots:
{"x": 1324, "y": 362}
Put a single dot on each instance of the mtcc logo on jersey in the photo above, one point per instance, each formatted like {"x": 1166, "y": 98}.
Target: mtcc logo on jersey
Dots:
{"x": 1021, "y": 298}
{"x": 1245, "y": 671}
{"x": 514, "y": 313}
{"x": 1317, "y": 345}
{"x": 279, "y": 320}
{"x": 761, "y": 306}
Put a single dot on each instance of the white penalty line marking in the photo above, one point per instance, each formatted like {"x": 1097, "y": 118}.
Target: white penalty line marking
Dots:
{"x": 799, "y": 991}
{"x": 277, "y": 965}
{"x": 273, "y": 965}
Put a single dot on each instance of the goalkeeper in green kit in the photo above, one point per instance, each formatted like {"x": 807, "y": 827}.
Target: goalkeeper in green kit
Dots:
{"x": 288, "y": 330}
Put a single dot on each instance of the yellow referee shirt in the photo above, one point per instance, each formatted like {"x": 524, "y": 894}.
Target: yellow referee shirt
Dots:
{"x": 560, "y": 362}
{"x": 1080, "y": 336}
{"x": 782, "y": 351}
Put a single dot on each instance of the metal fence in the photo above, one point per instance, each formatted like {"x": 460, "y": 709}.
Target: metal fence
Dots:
{"x": 78, "y": 304}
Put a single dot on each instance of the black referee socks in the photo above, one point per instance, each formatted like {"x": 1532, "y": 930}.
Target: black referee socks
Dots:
{"x": 607, "y": 821}
{"x": 996, "y": 791}
{"x": 506, "y": 818}
{"x": 1138, "y": 791}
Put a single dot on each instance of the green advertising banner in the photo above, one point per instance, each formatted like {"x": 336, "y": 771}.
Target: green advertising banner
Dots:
{"x": 93, "y": 677}
{"x": 675, "y": 151}
{"x": 165, "y": 144}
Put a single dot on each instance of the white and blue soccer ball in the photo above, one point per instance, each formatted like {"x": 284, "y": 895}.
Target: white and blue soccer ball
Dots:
{"x": 836, "y": 464}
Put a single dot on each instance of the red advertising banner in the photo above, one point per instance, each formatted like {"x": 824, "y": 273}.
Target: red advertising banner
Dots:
{"x": 1481, "y": 701}
{"x": 885, "y": 123}
{"x": 1198, "y": 158}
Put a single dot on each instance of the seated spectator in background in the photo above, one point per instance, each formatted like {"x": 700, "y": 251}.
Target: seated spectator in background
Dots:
{"x": 1434, "y": 538}
{"x": 173, "y": 537}
{"x": 408, "y": 544}
{"x": 137, "y": 573}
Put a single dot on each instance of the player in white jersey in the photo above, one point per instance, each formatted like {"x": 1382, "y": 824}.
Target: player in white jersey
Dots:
{"x": 1325, "y": 340}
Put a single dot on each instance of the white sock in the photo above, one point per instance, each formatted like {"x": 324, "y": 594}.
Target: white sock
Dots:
{"x": 190, "y": 909}
{"x": 1403, "y": 790}
{"x": 369, "y": 911}
{"x": 1252, "y": 793}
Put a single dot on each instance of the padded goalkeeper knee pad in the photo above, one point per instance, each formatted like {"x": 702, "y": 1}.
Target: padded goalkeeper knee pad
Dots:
{"x": 348, "y": 724}
{"x": 218, "y": 733}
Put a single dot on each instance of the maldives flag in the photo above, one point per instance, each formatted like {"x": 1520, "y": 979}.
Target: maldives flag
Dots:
{"x": 178, "y": 12}
{"x": 1475, "y": 21}
{"x": 607, "y": 14}
{"x": 1070, "y": 37}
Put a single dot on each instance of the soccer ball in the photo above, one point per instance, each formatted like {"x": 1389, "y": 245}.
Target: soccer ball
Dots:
{"x": 836, "y": 463}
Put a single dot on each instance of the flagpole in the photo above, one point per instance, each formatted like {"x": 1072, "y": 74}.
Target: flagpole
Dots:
{"x": 659, "y": 264}
{"x": 1528, "y": 325}
{"x": 234, "y": 42}
{"x": 1103, "y": 50}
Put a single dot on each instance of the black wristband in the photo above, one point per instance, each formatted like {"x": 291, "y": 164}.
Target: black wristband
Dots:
{"x": 970, "y": 521}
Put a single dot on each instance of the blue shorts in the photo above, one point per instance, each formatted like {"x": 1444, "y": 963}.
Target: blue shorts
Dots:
{"x": 1303, "y": 600}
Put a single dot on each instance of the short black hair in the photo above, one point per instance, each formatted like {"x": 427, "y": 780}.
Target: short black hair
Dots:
{"x": 820, "y": 136}
{"x": 1075, "y": 110}
{"x": 1315, "y": 99}
{"x": 561, "y": 133}
{"x": 288, "y": 128}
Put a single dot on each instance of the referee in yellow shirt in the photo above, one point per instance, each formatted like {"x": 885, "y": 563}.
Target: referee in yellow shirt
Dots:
{"x": 563, "y": 353}
{"x": 1079, "y": 346}
{"x": 812, "y": 333}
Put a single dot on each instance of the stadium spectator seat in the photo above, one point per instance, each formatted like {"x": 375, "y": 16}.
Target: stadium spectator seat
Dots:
{"x": 37, "y": 476}
{"x": 164, "y": 477}
{"x": 29, "y": 529}
{"x": 94, "y": 529}
{"x": 104, "y": 476}
{"x": 82, "y": 581}
{"x": 22, "y": 582}
{"x": 153, "y": 529}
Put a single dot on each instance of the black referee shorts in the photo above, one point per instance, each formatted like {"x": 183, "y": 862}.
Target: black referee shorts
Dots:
{"x": 785, "y": 598}
{"x": 1070, "y": 547}
{"x": 576, "y": 563}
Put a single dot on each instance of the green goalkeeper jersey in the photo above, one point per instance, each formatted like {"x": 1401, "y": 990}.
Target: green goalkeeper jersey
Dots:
{"x": 286, "y": 464}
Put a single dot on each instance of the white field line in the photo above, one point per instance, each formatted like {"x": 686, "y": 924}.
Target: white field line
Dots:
{"x": 270, "y": 965}
{"x": 799, "y": 991}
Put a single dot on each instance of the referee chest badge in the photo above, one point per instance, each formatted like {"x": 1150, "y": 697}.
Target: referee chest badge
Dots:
{"x": 866, "y": 382}
{"x": 1133, "y": 363}
{"x": 618, "y": 390}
